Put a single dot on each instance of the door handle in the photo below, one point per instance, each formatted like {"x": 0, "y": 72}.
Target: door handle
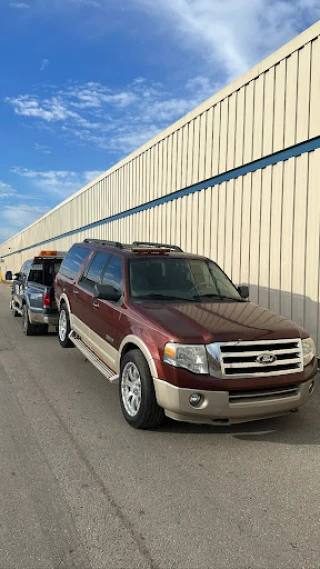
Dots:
{"x": 75, "y": 291}
{"x": 96, "y": 304}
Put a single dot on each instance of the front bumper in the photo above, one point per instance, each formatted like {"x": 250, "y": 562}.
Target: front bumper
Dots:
{"x": 217, "y": 407}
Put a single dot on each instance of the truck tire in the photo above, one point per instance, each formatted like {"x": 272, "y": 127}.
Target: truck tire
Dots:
{"x": 27, "y": 328}
{"x": 64, "y": 328}
{"x": 137, "y": 396}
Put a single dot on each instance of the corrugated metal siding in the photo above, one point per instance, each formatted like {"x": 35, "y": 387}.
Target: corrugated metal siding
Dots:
{"x": 263, "y": 227}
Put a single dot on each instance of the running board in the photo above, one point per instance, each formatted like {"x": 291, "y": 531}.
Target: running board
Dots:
{"x": 101, "y": 366}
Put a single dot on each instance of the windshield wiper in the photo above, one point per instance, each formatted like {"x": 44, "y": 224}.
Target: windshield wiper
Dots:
{"x": 158, "y": 296}
{"x": 221, "y": 297}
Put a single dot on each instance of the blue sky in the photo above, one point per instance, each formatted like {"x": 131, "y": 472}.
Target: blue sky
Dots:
{"x": 85, "y": 82}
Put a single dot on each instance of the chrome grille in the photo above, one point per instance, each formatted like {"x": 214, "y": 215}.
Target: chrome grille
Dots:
{"x": 264, "y": 394}
{"x": 240, "y": 359}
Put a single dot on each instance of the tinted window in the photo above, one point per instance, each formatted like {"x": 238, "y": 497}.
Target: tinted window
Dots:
{"x": 113, "y": 273}
{"x": 73, "y": 261}
{"x": 93, "y": 272}
{"x": 184, "y": 279}
{"x": 36, "y": 274}
{"x": 45, "y": 272}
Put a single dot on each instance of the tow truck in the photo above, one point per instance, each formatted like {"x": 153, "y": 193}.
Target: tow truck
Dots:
{"x": 32, "y": 295}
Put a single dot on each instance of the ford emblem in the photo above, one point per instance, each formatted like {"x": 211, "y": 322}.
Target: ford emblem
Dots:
{"x": 266, "y": 358}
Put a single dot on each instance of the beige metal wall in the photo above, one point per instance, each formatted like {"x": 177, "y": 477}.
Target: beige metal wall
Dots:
{"x": 261, "y": 227}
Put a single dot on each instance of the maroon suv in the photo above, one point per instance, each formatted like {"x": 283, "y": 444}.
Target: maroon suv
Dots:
{"x": 182, "y": 340}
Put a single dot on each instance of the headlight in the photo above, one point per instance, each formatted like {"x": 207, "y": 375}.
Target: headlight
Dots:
{"x": 308, "y": 351}
{"x": 190, "y": 357}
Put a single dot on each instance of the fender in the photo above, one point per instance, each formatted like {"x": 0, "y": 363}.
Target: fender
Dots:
{"x": 66, "y": 300}
{"x": 131, "y": 339}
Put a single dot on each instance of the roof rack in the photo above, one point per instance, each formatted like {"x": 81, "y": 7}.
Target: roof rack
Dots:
{"x": 104, "y": 242}
{"x": 149, "y": 245}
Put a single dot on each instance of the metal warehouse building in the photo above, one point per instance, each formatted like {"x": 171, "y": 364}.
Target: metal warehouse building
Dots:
{"x": 237, "y": 179}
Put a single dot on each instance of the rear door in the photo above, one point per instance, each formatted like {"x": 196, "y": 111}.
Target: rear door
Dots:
{"x": 84, "y": 321}
{"x": 68, "y": 273}
{"x": 107, "y": 317}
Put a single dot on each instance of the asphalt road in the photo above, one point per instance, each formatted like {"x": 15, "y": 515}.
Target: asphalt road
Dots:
{"x": 79, "y": 489}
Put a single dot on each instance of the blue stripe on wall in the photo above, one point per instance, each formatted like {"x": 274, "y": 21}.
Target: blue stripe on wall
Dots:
{"x": 270, "y": 160}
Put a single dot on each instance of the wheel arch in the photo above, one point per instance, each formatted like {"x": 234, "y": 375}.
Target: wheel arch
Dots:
{"x": 64, "y": 300}
{"x": 132, "y": 342}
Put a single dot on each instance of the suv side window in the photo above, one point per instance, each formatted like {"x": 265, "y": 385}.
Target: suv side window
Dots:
{"x": 113, "y": 273}
{"x": 93, "y": 272}
{"x": 73, "y": 261}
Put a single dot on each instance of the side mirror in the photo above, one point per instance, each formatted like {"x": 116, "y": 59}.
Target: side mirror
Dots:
{"x": 244, "y": 291}
{"x": 106, "y": 292}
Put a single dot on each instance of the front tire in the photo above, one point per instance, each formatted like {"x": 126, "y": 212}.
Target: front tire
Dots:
{"x": 27, "y": 328}
{"x": 64, "y": 329}
{"x": 137, "y": 396}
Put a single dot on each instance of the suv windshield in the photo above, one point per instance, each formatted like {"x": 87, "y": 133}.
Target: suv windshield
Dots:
{"x": 170, "y": 278}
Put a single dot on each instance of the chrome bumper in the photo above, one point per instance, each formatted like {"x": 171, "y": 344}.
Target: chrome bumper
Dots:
{"x": 39, "y": 318}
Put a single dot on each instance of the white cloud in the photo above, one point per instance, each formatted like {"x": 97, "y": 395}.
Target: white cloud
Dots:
{"x": 50, "y": 110}
{"x": 226, "y": 38}
{"x": 15, "y": 217}
{"x": 21, "y": 215}
{"x": 232, "y": 35}
{"x": 44, "y": 63}
{"x": 59, "y": 182}
{"x": 19, "y": 5}
{"x": 6, "y": 190}
{"x": 110, "y": 118}
{"x": 42, "y": 148}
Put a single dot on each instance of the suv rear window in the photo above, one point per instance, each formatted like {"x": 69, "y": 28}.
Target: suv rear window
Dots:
{"x": 73, "y": 261}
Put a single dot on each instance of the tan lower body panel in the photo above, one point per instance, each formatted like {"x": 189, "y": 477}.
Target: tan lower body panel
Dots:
{"x": 100, "y": 347}
{"x": 216, "y": 408}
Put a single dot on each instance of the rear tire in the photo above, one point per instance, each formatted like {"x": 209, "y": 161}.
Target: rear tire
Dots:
{"x": 64, "y": 328}
{"x": 27, "y": 328}
{"x": 137, "y": 396}
{"x": 43, "y": 329}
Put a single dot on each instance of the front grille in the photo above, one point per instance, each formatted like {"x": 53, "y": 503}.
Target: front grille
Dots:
{"x": 264, "y": 394}
{"x": 240, "y": 359}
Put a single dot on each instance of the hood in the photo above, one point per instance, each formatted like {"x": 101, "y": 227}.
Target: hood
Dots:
{"x": 219, "y": 322}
